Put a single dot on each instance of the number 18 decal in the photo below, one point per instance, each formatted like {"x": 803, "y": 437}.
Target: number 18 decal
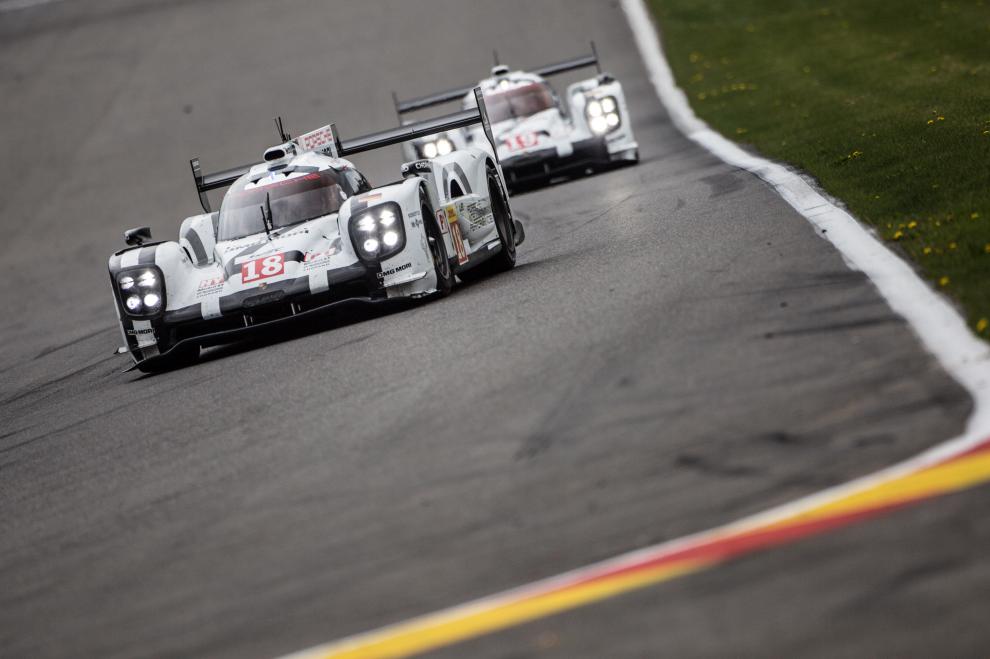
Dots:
{"x": 268, "y": 266}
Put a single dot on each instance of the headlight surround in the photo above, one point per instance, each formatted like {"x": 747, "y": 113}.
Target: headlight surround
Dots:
{"x": 141, "y": 290}
{"x": 378, "y": 232}
{"x": 602, "y": 114}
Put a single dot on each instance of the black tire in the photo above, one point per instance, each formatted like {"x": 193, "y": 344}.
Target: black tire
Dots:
{"x": 180, "y": 357}
{"x": 441, "y": 262}
{"x": 505, "y": 258}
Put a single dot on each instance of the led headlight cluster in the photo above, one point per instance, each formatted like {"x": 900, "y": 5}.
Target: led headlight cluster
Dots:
{"x": 378, "y": 233}
{"x": 603, "y": 114}
{"x": 439, "y": 147}
{"x": 141, "y": 290}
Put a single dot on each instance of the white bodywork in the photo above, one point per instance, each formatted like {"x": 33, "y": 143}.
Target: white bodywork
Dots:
{"x": 207, "y": 279}
{"x": 563, "y": 137}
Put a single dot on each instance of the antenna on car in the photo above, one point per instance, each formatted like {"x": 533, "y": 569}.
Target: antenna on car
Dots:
{"x": 285, "y": 137}
{"x": 495, "y": 55}
{"x": 598, "y": 64}
{"x": 395, "y": 102}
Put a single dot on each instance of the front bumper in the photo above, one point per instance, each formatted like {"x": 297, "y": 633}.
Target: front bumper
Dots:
{"x": 255, "y": 311}
{"x": 545, "y": 164}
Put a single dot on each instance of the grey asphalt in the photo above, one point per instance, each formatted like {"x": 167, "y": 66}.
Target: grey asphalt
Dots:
{"x": 677, "y": 348}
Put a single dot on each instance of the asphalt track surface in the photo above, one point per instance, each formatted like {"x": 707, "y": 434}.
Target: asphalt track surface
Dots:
{"x": 676, "y": 349}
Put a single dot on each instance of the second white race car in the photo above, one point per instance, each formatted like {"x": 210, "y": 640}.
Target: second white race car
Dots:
{"x": 303, "y": 231}
{"x": 538, "y": 135}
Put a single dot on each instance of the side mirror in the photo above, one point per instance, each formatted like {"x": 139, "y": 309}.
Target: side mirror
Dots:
{"x": 137, "y": 236}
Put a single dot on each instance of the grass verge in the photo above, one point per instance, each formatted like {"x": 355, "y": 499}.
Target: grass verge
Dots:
{"x": 887, "y": 104}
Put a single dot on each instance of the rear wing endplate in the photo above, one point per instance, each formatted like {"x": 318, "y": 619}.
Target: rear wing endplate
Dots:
{"x": 413, "y": 104}
{"x": 331, "y": 143}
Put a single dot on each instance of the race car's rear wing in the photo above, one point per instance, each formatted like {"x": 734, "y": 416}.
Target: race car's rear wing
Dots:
{"x": 328, "y": 141}
{"x": 413, "y": 104}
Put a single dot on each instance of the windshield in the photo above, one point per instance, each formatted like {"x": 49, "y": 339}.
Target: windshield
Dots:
{"x": 518, "y": 102}
{"x": 293, "y": 200}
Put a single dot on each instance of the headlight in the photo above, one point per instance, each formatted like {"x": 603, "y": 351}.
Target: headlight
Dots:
{"x": 603, "y": 114}
{"x": 440, "y": 147}
{"x": 378, "y": 233}
{"x": 141, "y": 290}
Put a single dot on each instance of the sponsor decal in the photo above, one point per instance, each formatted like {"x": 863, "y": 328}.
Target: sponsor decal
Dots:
{"x": 237, "y": 247}
{"x": 477, "y": 214}
{"x": 399, "y": 268}
{"x": 442, "y": 221}
{"x": 320, "y": 139}
{"x": 258, "y": 300}
{"x": 253, "y": 255}
{"x": 316, "y": 260}
{"x": 521, "y": 141}
{"x": 210, "y": 286}
{"x": 452, "y": 214}
{"x": 309, "y": 257}
{"x": 271, "y": 182}
{"x": 455, "y": 234}
{"x": 296, "y": 232}
{"x": 141, "y": 332}
{"x": 268, "y": 266}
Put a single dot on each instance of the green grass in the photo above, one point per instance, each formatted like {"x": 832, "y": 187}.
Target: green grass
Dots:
{"x": 885, "y": 102}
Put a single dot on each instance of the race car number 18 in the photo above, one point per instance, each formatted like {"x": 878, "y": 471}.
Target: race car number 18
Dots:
{"x": 268, "y": 266}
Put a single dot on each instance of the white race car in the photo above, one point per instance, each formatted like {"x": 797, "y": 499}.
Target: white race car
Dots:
{"x": 539, "y": 137}
{"x": 304, "y": 231}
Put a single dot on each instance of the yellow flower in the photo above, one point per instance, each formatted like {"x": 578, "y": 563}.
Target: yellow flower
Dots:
{"x": 943, "y": 281}
{"x": 986, "y": 248}
{"x": 974, "y": 216}
{"x": 912, "y": 224}
{"x": 927, "y": 250}
{"x": 898, "y": 235}
{"x": 981, "y": 324}
{"x": 952, "y": 245}
{"x": 931, "y": 121}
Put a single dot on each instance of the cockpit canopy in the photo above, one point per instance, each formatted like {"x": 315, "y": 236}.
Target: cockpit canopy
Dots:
{"x": 515, "y": 102}
{"x": 304, "y": 193}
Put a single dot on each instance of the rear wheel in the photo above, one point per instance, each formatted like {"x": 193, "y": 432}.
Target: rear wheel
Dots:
{"x": 438, "y": 251}
{"x": 505, "y": 258}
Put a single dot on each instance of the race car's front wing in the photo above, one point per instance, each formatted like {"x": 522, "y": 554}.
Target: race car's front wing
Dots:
{"x": 544, "y": 164}
{"x": 256, "y": 310}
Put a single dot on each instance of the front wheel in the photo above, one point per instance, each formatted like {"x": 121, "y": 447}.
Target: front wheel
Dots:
{"x": 505, "y": 258}
{"x": 438, "y": 252}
